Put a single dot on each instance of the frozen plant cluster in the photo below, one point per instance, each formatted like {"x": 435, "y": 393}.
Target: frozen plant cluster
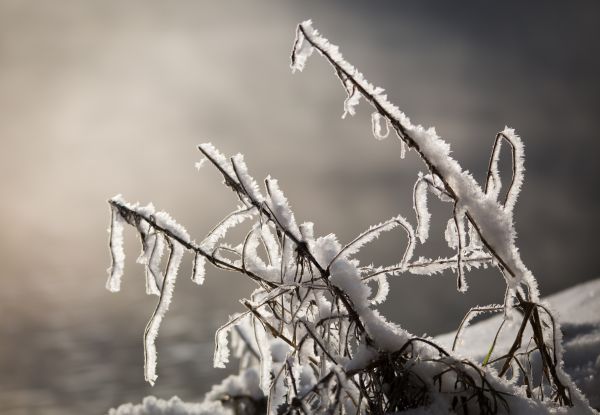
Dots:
{"x": 310, "y": 340}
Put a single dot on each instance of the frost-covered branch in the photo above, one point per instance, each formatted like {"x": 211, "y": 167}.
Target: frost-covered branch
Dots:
{"x": 491, "y": 220}
{"x": 309, "y": 339}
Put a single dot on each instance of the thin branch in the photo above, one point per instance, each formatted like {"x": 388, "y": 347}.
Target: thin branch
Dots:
{"x": 189, "y": 245}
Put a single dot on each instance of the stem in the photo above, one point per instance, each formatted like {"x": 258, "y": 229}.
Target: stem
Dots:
{"x": 125, "y": 211}
{"x": 408, "y": 139}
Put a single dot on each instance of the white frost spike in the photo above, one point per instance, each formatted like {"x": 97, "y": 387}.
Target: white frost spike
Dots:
{"x": 459, "y": 221}
{"x": 221, "y": 356}
{"x": 351, "y": 101}
{"x": 410, "y": 247}
{"x": 217, "y": 158}
{"x": 153, "y": 325}
{"x": 376, "y": 127}
{"x": 271, "y": 245}
{"x": 144, "y": 228}
{"x": 494, "y": 182}
{"x": 302, "y": 50}
{"x": 427, "y": 266}
{"x": 281, "y": 209}
{"x": 288, "y": 252}
{"x": 266, "y": 358}
{"x": 199, "y": 269}
{"x": 474, "y": 239}
{"x": 117, "y": 253}
{"x": 402, "y": 144}
{"x": 246, "y": 181}
{"x": 493, "y": 220}
{"x": 518, "y": 168}
{"x": 424, "y": 266}
{"x": 149, "y": 246}
{"x": 307, "y": 232}
{"x": 451, "y": 234}
{"x": 421, "y": 209}
{"x": 383, "y": 289}
{"x": 219, "y": 231}
{"x": 250, "y": 258}
{"x": 165, "y": 221}
{"x": 277, "y": 394}
{"x": 156, "y": 246}
{"x": 152, "y": 274}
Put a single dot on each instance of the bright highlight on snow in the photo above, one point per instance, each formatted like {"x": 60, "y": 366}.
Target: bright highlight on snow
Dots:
{"x": 309, "y": 339}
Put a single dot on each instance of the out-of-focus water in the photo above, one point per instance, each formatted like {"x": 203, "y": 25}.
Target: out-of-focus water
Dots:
{"x": 86, "y": 357}
{"x": 100, "y": 98}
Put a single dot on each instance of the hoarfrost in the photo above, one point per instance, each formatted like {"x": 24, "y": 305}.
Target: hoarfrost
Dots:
{"x": 351, "y": 101}
{"x": 154, "y": 276}
{"x": 494, "y": 181}
{"x": 471, "y": 314}
{"x": 168, "y": 224}
{"x": 459, "y": 224}
{"x": 307, "y": 232}
{"x": 301, "y": 51}
{"x": 246, "y": 181}
{"x": 495, "y": 223}
{"x": 376, "y": 126}
{"x": 115, "y": 271}
{"x": 277, "y": 393}
{"x": 280, "y": 208}
{"x": 383, "y": 289}
{"x": 153, "y": 326}
{"x": 369, "y": 235}
{"x": 221, "y": 355}
{"x": 345, "y": 276}
{"x": 152, "y": 251}
{"x": 451, "y": 234}
{"x": 308, "y": 326}
{"x": 217, "y": 158}
{"x": 199, "y": 269}
{"x": 271, "y": 245}
{"x": 244, "y": 384}
{"x": 218, "y": 232}
{"x": 518, "y": 168}
{"x": 266, "y": 359}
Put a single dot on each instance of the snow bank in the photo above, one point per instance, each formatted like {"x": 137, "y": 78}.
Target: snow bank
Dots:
{"x": 578, "y": 311}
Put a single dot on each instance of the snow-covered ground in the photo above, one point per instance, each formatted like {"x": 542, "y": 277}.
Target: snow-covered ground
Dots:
{"x": 578, "y": 310}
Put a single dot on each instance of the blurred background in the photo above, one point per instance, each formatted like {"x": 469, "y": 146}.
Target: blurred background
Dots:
{"x": 100, "y": 98}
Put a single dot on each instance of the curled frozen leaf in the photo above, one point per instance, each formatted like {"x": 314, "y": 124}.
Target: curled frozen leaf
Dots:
{"x": 376, "y": 120}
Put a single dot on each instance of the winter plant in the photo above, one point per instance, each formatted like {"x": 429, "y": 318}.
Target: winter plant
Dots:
{"x": 309, "y": 340}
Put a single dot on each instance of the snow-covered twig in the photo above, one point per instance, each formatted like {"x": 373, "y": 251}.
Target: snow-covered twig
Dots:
{"x": 310, "y": 340}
